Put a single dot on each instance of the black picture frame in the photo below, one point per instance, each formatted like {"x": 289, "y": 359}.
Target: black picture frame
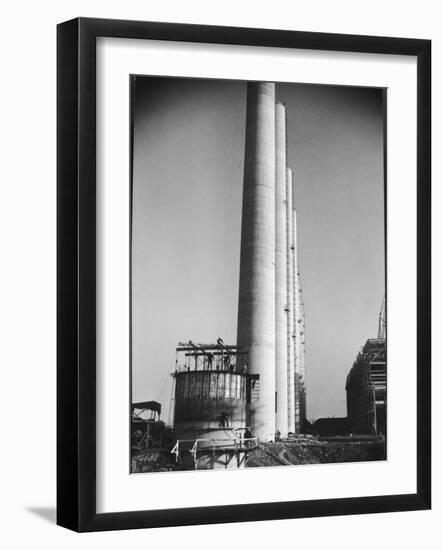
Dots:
{"x": 76, "y": 273}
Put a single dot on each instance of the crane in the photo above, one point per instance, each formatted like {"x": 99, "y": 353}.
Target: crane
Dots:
{"x": 382, "y": 326}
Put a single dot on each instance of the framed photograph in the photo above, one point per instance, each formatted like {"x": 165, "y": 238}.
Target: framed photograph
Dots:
{"x": 243, "y": 248}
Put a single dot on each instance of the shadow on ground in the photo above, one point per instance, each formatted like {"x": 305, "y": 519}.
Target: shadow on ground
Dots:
{"x": 44, "y": 512}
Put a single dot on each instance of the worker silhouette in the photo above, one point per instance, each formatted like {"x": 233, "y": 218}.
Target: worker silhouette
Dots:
{"x": 224, "y": 420}
{"x": 247, "y": 436}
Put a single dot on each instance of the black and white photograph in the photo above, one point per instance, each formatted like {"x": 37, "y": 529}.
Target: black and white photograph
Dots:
{"x": 258, "y": 274}
{"x": 220, "y": 224}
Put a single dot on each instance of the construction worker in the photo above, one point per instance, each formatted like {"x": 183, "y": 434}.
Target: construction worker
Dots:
{"x": 247, "y": 437}
{"x": 224, "y": 420}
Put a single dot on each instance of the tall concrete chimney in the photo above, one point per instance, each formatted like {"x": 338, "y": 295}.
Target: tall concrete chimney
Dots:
{"x": 300, "y": 354}
{"x": 291, "y": 304}
{"x": 256, "y": 308}
{"x": 281, "y": 305}
{"x": 298, "y": 323}
{"x": 297, "y": 318}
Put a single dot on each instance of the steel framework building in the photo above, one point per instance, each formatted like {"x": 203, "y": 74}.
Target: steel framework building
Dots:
{"x": 366, "y": 388}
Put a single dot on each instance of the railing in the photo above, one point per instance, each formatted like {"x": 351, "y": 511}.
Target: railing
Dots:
{"x": 203, "y": 445}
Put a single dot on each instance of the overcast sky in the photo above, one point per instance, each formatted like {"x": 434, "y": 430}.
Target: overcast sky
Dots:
{"x": 187, "y": 193}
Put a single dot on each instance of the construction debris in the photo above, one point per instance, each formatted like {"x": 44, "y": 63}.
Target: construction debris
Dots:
{"x": 317, "y": 451}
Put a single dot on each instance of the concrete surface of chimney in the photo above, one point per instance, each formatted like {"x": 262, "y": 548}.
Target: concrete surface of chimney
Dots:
{"x": 256, "y": 308}
{"x": 281, "y": 304}
{"x": 297, "y": 319}
{"x": 290, "y": 372}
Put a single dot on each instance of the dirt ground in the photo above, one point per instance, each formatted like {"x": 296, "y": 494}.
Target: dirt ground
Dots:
{"x": 287, "y": 453}
{"x": 315, "y": 452}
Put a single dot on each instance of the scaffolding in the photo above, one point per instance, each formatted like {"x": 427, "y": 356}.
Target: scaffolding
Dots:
{"x": 366, "y": 388}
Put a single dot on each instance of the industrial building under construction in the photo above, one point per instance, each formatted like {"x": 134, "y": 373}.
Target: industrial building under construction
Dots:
{"x": 366, "y": 391}
{"x": 232, "y": 399}
{"x": 256, "y": 386}
{"x": 253, "y": 391}
{"x": 367, "y": 385}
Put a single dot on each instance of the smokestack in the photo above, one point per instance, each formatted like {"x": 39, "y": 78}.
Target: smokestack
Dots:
{"x": 291, "y": 303}
{"x": 256, "y": 309}
{"x": 300, "y": 359}
{"x": 281, "y": 304}
{"x": 298, "y": 323}
{"x": 301, "y": 364}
